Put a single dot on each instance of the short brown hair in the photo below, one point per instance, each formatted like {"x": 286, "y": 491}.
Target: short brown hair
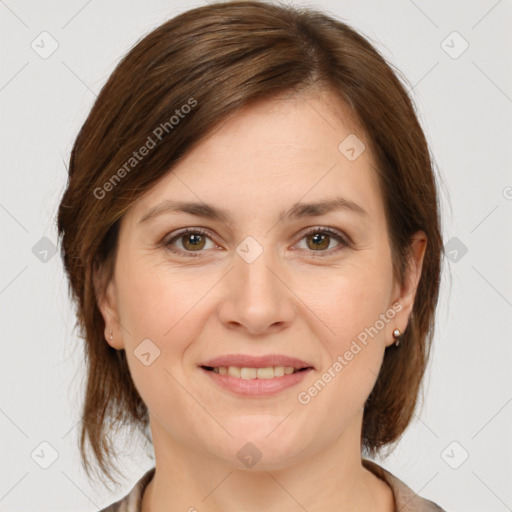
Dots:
{"x": 224, "y": 56}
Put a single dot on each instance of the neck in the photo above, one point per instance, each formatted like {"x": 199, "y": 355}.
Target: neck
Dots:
{"x": 191, "y": 479}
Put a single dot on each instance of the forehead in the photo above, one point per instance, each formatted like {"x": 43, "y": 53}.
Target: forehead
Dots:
{"x": 271, "y": 154}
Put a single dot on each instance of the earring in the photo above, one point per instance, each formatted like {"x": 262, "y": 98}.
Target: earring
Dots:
{"x": 111, "y": 336}
{"x": 396, "y": 334}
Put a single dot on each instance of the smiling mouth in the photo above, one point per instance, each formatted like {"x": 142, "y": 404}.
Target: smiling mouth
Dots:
{"x": 255, "y": 373}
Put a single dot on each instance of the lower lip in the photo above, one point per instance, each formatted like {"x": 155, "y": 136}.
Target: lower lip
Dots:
{"x": 257, "y": 387}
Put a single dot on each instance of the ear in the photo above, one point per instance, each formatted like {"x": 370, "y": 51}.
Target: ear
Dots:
{"x": 404, "y": 294}
{"x": 106, "y": 298}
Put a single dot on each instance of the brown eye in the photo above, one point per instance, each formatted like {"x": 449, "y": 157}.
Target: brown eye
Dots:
{"x": 319, "y": 239}
{"x": 193, "y": 241}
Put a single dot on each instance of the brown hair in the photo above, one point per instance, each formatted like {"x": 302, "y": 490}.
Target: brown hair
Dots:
{"x": 216, "y": 59}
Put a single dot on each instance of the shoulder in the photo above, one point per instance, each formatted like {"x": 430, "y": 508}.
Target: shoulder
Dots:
{"x": 133, "y": 500}
{"x": 406, "y": 500}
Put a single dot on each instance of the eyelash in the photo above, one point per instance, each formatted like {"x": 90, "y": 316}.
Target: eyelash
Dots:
{"x": 343, "y": 241}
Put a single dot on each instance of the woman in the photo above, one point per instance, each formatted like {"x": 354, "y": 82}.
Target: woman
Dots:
{"x": 251, "y": 234}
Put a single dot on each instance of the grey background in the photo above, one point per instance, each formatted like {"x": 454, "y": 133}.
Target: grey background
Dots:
{"x": 465, "y": 106}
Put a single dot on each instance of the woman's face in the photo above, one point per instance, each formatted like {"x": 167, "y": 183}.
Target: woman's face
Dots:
{"x": 258, "y": 282}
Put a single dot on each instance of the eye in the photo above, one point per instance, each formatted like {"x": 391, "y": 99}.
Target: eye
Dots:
{"x": 318, "y": 239}
{"x": 193, "y": 240}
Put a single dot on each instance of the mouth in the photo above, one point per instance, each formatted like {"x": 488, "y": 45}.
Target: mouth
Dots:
{"x": 255, "y": 377}
{"x": 263, "y": 373}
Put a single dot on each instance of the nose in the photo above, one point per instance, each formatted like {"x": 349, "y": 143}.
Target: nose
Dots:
{"x": 256, "y": 297}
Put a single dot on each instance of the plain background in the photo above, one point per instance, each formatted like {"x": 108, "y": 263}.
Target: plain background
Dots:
{"x": 464, "y": 99}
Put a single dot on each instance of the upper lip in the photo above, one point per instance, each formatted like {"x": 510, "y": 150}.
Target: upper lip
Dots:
{"x": 248, "y": 361}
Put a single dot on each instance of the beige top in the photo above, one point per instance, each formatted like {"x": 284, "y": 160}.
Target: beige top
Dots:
{"x": 406, "y": 500}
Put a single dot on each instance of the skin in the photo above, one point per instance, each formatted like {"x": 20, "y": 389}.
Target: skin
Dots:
{"x": 289, "y": 300}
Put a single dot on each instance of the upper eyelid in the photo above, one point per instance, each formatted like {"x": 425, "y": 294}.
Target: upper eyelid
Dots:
{"x": 345, "y": 239}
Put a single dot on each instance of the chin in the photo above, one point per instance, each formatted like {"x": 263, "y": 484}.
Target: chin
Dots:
{"x": 253, "y": 449}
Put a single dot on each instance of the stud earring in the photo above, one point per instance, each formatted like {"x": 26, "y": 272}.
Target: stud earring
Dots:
{"x": 396, "y": 334}
{"x": 111, "y": 336}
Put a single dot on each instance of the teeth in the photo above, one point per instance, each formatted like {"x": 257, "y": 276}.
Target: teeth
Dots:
{"x": 255, "y": 373}
{"x": 248, "y": 373}
{"x": 278, "y": 371}
{"x": 234, "y": 371}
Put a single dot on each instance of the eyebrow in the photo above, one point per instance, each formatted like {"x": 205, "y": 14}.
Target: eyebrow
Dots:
{"x": 297, "y": 211}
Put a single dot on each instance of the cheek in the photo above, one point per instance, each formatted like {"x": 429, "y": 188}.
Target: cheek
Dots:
{"x": 357, "y": 310}
{"x": 354, "y": 300}
{"x": 167, "y": 307}
{"x": 158, "y": 306}
{"x": 154, "y": 303}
